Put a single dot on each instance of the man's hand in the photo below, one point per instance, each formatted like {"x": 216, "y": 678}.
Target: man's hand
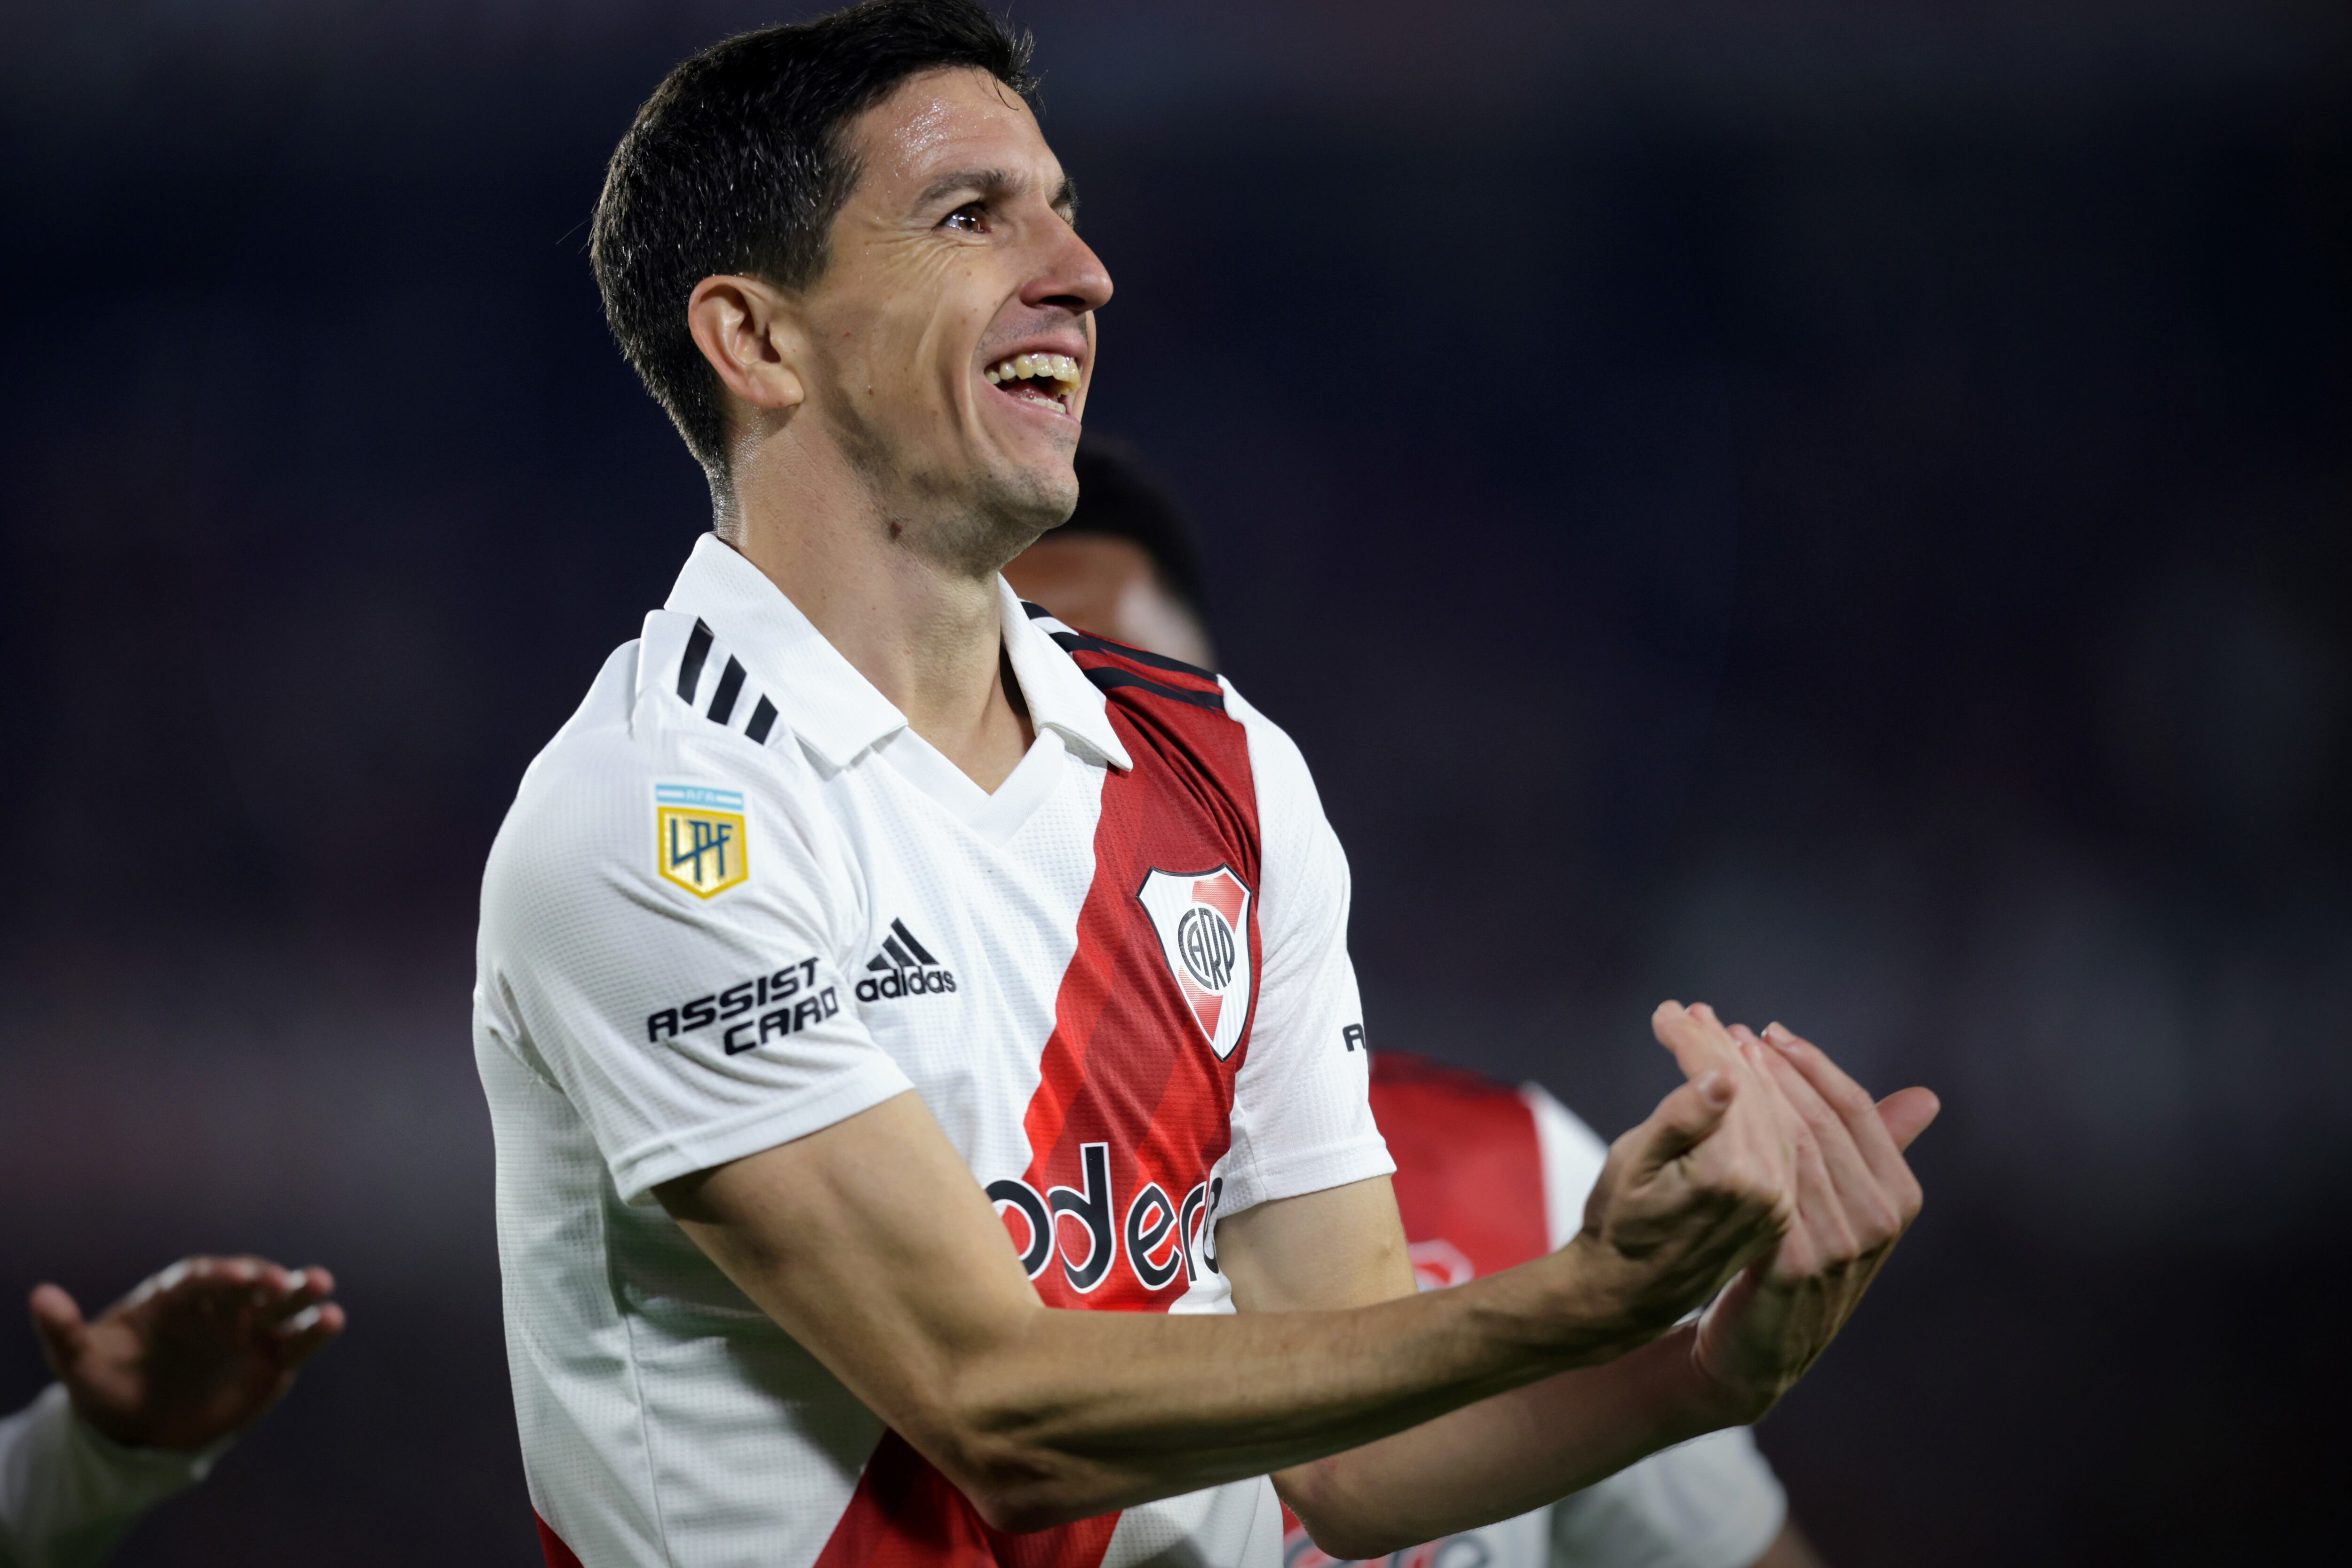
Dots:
{"x": 1702, "y": 1189}
{"x": 1856, "y": 1197}
{"x": 200, "y": 1351}
{"x": 1724, "y": 1180}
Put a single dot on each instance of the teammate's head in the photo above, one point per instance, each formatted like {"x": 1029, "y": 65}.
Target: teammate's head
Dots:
{"x": 1125, "y": 565}
{"x": 840, "y": 228}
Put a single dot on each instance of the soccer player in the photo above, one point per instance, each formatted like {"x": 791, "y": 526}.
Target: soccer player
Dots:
{"x": 1487, "y": 1175}
{"x": 920, "y": 1042}
{"x": 147, "y": 1396}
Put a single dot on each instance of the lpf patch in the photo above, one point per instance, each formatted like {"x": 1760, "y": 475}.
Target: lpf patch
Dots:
{"x": 701, "y": 840}
{"x": 1202, "y": 919}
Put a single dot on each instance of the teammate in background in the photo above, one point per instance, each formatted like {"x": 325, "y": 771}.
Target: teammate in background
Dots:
{"x": 1487, "y": 1177}
{"x": 921, "y": 1038}
{"x": 1127, "y": 564}
{"x": 147, "y": 1396}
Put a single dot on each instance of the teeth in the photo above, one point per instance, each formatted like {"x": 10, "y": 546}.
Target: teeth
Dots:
{"x": 1035, "y": 367}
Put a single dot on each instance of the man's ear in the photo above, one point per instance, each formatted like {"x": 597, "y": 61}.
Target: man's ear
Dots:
{"x": 751, "y": 334}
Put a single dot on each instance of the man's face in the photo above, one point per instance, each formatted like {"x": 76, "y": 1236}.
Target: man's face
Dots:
{"x": 952, "y": 330}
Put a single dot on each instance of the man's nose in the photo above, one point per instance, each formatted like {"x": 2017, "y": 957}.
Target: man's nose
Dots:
{"x": 1070, "y": 275}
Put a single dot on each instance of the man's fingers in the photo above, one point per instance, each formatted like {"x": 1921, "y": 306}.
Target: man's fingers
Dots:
{"x": 1881, "y": 1136}
{"x": 1699, "y": 1043}
{"x": 1819, "y": 1117}
{"x": 221, "y": 1287}
{"x": 1758, "y": 1058}
{"x": 1907, "y": 1112}
{"x": 261, "y": 1282}
{"x": 1683, "y": 1120}
{"x": 1840, "y": 1198}
{"x": 307, "y": 1333}
{"x": 206, "y": 1293}
{"x": 57, "y": 1318}
{"x": 1848, "y": 1099}
{"x": 306, "y": 1288}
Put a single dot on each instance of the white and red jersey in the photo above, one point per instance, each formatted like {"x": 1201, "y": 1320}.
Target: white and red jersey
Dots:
{"x": 1490, "y": 1176}
{"x": 737, "y": 899}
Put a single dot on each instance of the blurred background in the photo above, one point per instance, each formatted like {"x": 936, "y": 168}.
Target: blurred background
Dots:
{"x": 1836, "y": 509}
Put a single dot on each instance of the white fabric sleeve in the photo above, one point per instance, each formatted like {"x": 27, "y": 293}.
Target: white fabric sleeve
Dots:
{"x": 1712, "y": 1503}
{"x": 67, "y": 1496}
{"x": 1302, "y": 1118}
{"x": 686, "y": 1031}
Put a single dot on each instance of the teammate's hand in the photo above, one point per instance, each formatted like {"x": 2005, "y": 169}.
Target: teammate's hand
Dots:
{"x": 1702, "y": 1189}
{"x": 1856, "y": 1197}
{"x": 201, "y": 1350}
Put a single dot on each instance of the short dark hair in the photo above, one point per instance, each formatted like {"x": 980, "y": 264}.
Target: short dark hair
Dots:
{"x": 737, "y": 164}
{"x": 1121, "y": 496}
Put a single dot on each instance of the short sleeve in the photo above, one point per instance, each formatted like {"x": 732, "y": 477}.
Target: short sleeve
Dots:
{"x": 1302, "y": 1117}
{"x": 691, "y": 1013}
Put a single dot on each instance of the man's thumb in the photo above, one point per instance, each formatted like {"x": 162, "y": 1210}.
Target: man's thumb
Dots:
{"x": 57, "y": 1318}
{"x": 1683, "y": 1119}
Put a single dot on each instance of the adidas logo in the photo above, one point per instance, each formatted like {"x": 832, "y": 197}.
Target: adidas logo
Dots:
{"x": 904, "y": 967}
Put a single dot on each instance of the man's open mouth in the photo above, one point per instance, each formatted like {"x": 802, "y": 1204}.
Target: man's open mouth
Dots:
{"x": 1048, "y": 379}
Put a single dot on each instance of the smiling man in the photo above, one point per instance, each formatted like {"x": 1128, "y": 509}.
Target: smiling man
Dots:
{"x": 928, "y": 1075}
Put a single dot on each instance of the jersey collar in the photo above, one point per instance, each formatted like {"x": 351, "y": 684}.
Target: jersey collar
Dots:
{"x": 1060, "y": 696}
{"x": 836, "y": 712}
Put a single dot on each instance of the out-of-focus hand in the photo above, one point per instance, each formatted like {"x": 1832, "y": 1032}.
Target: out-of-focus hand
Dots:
{"x": 200, "y": 1351}
{"x": 1856, "y": 1197}
{"x": 1702, "y": 1189}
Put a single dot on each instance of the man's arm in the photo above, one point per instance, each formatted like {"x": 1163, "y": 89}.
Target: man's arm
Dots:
{"x": 1543, "y": 1440}
{"x": 1487, "y": 1460}
{"x": 870, "y": 1243}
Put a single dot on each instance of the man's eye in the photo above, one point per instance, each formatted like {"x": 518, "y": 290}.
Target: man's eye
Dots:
{"x": 970, "y": 219}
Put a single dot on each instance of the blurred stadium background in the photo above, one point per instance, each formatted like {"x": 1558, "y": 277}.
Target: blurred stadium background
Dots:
{"x": 1836, "y": 509}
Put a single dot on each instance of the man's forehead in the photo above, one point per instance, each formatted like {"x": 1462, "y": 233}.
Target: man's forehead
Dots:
{"x": 955, "y": 119}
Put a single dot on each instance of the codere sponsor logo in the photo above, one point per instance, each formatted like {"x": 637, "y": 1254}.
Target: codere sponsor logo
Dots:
{"x": 904, "y": 967}
{"x": 1161, "y": 1238}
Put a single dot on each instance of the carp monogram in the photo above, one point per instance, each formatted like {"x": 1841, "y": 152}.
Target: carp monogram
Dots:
{"x": 1203, "y": 920}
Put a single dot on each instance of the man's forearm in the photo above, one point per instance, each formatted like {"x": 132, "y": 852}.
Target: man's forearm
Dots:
{"x": 1503, "y": 1456}
{"x": 1108, "y": 1409}
{"x": 1043, "y": 1416}
{"x": 870, "y": 1245}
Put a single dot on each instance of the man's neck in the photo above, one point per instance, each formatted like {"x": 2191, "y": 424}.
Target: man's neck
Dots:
{"x": 929, "y": 637}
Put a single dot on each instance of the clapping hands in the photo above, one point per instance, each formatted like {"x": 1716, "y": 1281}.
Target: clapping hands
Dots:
{"x": 1769, "y": 1184}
